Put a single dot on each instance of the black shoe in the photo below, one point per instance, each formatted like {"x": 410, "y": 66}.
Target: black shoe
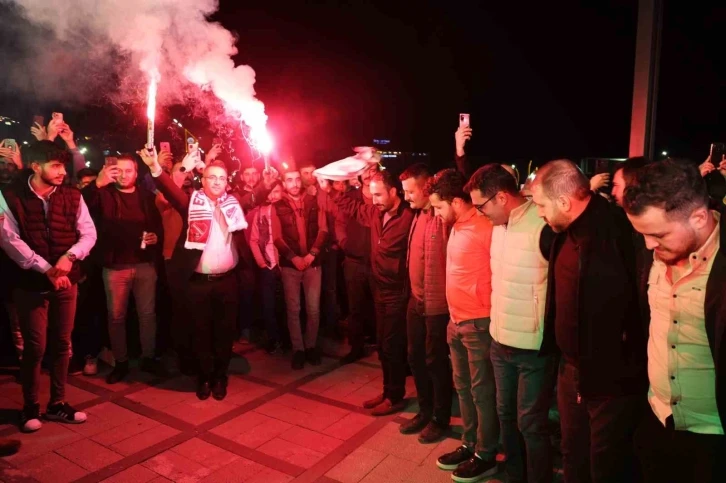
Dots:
{"x": 313, "y": 356}
{"x": 30, "y": 419}
{"x": 203, "y": 390}
{"x": 273, "y": 347}
{"x": 119, "y": 373}
{"x": 352, "y": 356}
{"x": 219, "y": 389}
{"x": 371, "y": 403}
{"x": 152, "y": 366}
{"x": 474, "y": 470}
{"x": 74, "y": 368}
{"x": 64, "y": 413}
{"x": 298, "y": 360}
{"x": 414, "y": 425}
{"x": 451, "y": 461}
{"x": 432, "y": 433}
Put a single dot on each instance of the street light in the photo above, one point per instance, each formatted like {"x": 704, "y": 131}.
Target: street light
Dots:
{"x": 664, "y": 153}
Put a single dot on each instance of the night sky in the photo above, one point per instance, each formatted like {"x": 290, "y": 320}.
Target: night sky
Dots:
{"x": 540, "y": 79}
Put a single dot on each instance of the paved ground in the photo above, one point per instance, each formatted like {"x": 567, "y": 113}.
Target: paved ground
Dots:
{"x": 275, "y": 425}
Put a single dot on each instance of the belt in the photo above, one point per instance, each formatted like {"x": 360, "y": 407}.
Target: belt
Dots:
{"x": 205, "y": 277}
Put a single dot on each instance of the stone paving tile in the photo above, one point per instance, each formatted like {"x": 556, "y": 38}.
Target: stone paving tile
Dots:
{"x": 356, "y": 465}
{"x": 302, "y": 412}
{"x": 103, "y": 417}
{"x": 276, "y": 368}
{"x": 134, "y": 376}
{"x": 49, "y": 438}
{"x": 391, "y": 470}
{"x": 406, "y": 447}
{"x": 291, "y": 452}
{"x": 197, "y": 412}
{"x": 143, "y": 440}
{"x": 89, "y": 455}
{"x": 74, "y": 395}
{"x": 268, "y": 475}
{"x": 205, "y": 454}
{"x": 240, "y": 391}
{"x": 176, "y": 467}
{"x": 243, "y": 471}
{"x": 124, "y": 431}
{"x": 164, "y": 395}
{"x": 311, "y": 440}
{"x": 53, "y": 468}
{"x": 348, "y": 426}
{"x": 262, "y": 433}
{"x": 134, "y": 474}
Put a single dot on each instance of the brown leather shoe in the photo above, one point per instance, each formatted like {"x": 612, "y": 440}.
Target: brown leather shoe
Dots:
{"x": 432, "y": 433}
{"x": 387, "y": 407}
{"x": 371, "y": 403}
{"x": 414, "y": 425}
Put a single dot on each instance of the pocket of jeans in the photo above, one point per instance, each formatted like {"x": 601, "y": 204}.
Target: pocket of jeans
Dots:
{"x": 482, "y": 325}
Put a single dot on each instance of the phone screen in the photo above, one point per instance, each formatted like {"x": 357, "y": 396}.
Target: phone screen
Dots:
{"x": 718, "y": 150}
{"x": 165, "y": 147}
{"x": 464, "y": 120}
{"x": 111, "y": 161}
{"x": 39, "y": 120}
{"x": 58, "y": 116}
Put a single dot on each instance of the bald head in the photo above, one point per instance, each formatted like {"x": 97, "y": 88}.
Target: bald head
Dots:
{"x": 511, "y": 171}
{"x": 562, "y": 177}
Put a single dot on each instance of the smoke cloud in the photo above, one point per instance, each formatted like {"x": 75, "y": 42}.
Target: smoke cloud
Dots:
{"x": 88, "y": 50}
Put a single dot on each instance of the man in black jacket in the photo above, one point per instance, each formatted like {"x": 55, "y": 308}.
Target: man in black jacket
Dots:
{"x": 389, "y": 219}
{"x": 681, "y": 438}
{"x": 592, "y": 317}
{"x": 129, "y": 249}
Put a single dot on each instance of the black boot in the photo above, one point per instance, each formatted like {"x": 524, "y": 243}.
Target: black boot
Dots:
{"x": 119, "y": 373}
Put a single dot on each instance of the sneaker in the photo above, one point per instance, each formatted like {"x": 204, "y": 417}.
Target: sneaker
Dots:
{"x": 371, "y": 403}
{"x": 91, "y": 366}
{"x": 119, "y": 373}
{"x": 312, "y": 356}
{"x": 64, "y": 413}
{"x": 30, "y": 419}
{"x": 474, "y": 470}
{"x": 451, "y": 461}
{"x": 298, "y": 360}
{"x": 432, "y": 433}
{"x": 389, "y": 407}
{"x": 74, "y": 368}
{"x": 273, "y": 347}
{"x": 414, "y": 425}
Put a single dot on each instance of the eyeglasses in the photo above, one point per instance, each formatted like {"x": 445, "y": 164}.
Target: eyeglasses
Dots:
{"x": 214, "y": 179}
{"x": 480, "y": 208}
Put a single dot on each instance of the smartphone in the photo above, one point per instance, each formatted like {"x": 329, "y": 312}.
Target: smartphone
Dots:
{"x": 39, "y": 120}
{"x": 718, "y": 150}
{"x": 464, "y": 120}
{"x": 165, "y": 147}
{"x": 602, "y": 166}
{"x": 217, "y": 141}
{"x": 11, "y": 143}
{"x": 58, "y": 116}
{"x": 111, "y": 160}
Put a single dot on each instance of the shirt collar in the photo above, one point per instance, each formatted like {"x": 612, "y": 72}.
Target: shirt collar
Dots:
{"x": 30, "y": 185}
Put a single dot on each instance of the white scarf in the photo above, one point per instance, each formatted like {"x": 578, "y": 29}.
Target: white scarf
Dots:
{"x": 201, "y": 214}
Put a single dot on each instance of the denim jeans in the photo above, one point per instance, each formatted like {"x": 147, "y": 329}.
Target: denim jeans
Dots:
{"x": 46, "y": 319}
{"x": 597, "y": 434}
{"x": 470, "y": 343}
{"x": 525, "y": 383}
{"x": 310, "y": 279}
{"x": 141, "y": 280}
{"x": 428, "y": 357}
{"x": 269, "y": 281}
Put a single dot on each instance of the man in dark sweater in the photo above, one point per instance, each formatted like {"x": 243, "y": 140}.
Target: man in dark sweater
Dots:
{"x": 593, "y": 318}
{"x": 389, "y": 219}
{"x": 130, "y": 227}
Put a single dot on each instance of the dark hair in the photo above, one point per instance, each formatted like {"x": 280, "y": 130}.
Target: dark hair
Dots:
{"x": 673, "y": 185}
{"x": 42, "y": 152}
{"x": 448, "y": 184}
{"x": 490, "y": 180}
{"x": 85, "y": 172}
{"x": 386, "y": 177}
{"x": 308, "y": 164}
{"x": 417, "y": 171}
{"x": 630, "y": 166}
{"x": 562, "y": 177}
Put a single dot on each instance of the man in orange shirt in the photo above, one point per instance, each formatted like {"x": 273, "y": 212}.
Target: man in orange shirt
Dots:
{"x": 468, "y": 293}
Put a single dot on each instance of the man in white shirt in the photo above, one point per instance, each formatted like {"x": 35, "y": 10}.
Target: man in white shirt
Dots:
{"x": 682, "y": 436}
{"x": 211, "y": 248}
{"x": 45, "y": 228}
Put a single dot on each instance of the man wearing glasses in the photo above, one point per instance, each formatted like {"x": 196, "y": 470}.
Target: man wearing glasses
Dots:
{"x": 206, "y": 259}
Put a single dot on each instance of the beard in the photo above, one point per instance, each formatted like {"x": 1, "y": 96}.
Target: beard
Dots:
{"x": 57, "y": 181}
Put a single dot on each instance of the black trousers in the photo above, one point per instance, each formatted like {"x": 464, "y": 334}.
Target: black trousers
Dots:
{"x": 214, "y": 305}
{"x": 667, "y": 455}
{"x": 391, "y": 340}
{"x": 597, "y": 434}
{"x": 428, "y": 357}
{"x": 359, "y": 286}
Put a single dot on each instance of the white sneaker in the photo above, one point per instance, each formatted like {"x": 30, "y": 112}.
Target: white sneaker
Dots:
{"x": 30, "y": 419}
{"x": 91, "y": 367}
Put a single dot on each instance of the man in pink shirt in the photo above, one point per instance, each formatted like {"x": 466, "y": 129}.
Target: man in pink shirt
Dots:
{"x": 468, "y": 293}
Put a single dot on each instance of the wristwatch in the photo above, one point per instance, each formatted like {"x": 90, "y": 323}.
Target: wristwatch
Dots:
{"x": 71, "y": 256}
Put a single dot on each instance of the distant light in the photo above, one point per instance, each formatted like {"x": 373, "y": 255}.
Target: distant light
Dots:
{"x": 25, "y": 142}
{"x": 88, "y": 164}
{"x": 383, "y": 167}
{"x": 118, "y": 152}
{"x": 8, "y": 123}
{"x": 284, "y": 165}
{"x": 83, "y": 150}
{"x": 514, "y": 167}
{"x": 664, "y": 153}
{"x": 175, "y": 121}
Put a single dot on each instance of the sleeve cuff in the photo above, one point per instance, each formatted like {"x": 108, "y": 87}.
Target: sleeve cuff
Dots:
{"x": 44, "y": 266}
{"x": 156, "y": 171}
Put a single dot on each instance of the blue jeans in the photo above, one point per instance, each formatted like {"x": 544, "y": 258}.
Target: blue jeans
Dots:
{"x": 470, "y": 342}
{"x": 525, "y": 382}
{"x": 310, "y": 279}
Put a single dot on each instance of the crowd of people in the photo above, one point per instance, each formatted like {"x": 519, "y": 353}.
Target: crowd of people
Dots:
{"x": 516, "y": 297}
